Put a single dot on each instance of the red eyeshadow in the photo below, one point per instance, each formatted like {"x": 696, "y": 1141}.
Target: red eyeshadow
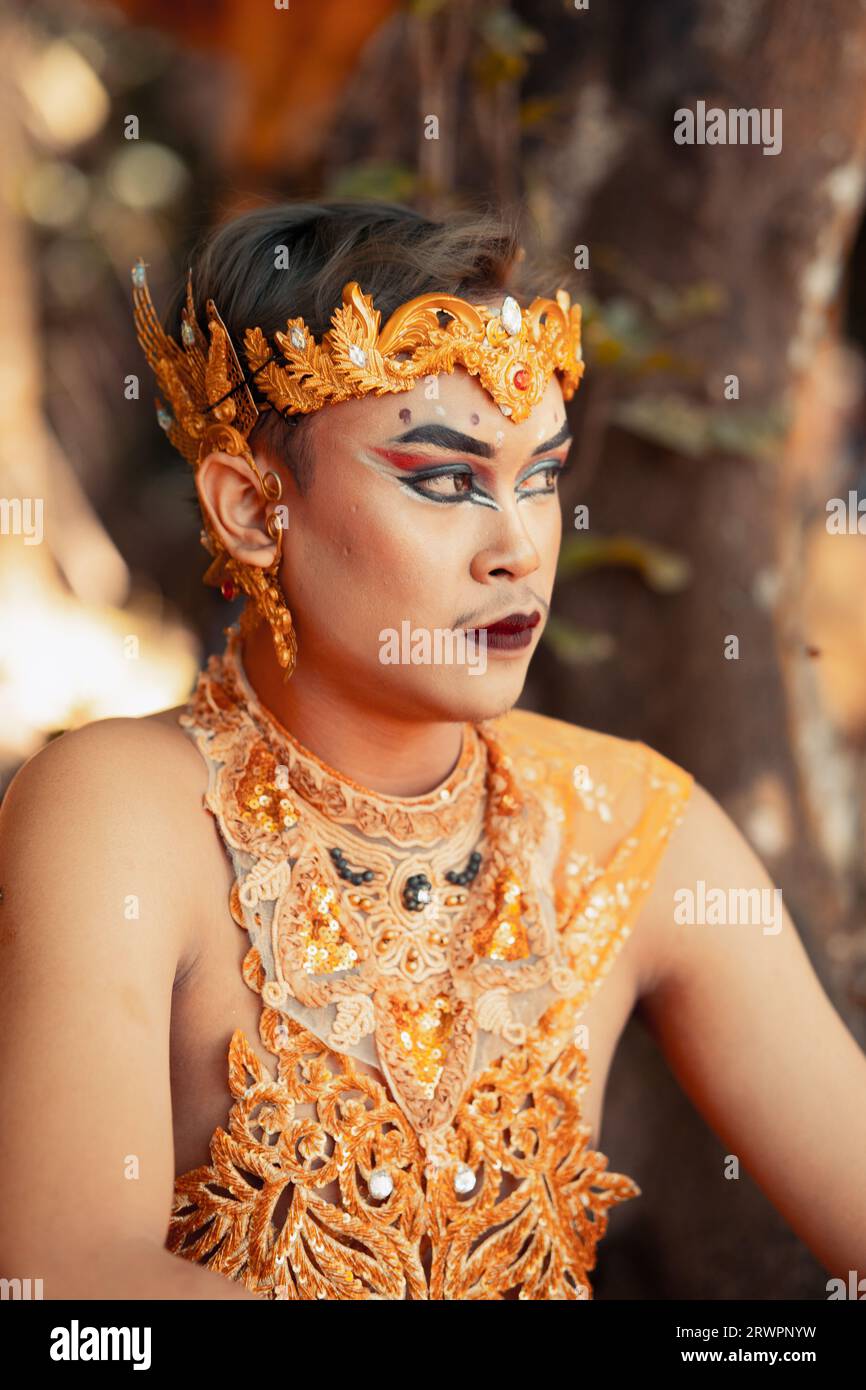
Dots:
{"x": 401, "y": 459}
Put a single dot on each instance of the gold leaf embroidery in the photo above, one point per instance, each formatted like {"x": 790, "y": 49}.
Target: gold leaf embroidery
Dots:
{"x": 492, "y": 1190}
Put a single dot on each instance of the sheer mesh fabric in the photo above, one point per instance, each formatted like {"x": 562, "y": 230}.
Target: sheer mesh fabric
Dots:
{"x": 451, "y": 941}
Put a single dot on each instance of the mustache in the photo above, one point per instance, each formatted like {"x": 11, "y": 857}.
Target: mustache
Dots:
{"x": 474, "y": 618}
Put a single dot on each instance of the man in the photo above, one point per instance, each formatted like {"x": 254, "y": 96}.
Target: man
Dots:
{"x": 432, "y": 885}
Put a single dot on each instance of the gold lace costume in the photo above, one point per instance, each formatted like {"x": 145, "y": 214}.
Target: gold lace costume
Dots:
{"x": 452, "y": 941}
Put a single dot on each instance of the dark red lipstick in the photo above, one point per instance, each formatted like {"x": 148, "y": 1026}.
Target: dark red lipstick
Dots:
{"x": 512, "y": 632}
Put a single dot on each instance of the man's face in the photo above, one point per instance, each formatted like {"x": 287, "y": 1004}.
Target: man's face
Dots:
{"x": 437, "y": 514}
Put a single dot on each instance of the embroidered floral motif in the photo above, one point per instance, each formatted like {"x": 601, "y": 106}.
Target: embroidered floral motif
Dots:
{"x": 455, "y": 1180}
{"x": 537, "y": 1233}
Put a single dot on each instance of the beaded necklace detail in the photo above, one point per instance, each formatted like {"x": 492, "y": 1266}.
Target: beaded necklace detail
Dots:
{"x": 408, "y": 948}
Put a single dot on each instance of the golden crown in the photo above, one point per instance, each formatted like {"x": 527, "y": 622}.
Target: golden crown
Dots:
{"x": 512, "y": 351}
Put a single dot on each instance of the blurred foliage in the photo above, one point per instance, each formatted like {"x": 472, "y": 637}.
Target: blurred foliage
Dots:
{"x": 575, "y": 646}
{"x": 662, "y": 570}
{"x": 621, "y": 337}
{"x": 375, "y": 179}
{"x": 427, "y": 9}
{"x": 684, "y": 427}
{"x": 505, "y": 44}
{"x": 673, "y": 306}
{"x": 537, "y": 112}
{"x": 619, "y": 332}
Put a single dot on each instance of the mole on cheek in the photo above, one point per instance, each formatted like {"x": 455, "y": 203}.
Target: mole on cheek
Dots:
{"x": 475, "y": 419}
{"x": 406, "y": 416}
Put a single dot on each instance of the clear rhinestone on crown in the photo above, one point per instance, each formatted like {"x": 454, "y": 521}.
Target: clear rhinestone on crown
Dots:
{"x": 511, "y": 315}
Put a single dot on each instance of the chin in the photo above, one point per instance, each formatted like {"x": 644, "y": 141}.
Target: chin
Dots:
{"x": 474, "y": 698}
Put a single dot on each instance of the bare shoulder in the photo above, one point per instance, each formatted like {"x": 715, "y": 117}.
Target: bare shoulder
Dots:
{"x": 112, "y": 804}
{"x": 102, "y": 859}
{"x": 109, "y": 763}
{"x": 705, "y": 846}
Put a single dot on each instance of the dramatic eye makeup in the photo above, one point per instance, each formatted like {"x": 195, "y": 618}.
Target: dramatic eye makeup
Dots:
{"x": 454, "y": 482}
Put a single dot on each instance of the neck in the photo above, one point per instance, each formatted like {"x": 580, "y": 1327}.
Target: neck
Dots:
{"x": 374, "y": 748}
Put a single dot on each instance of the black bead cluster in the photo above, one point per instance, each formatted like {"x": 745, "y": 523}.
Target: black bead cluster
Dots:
{"x": 350, "y": 875}
{"x": 414, "y": 886}
{"x": 468, "y": 874}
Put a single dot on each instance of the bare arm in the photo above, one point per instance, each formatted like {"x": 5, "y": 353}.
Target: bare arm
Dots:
{"x": 756, "y": 1044}
{"x": 96, "y": 901}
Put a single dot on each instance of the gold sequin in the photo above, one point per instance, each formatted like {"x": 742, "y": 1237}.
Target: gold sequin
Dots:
{"x": 424, "y": 1034}
{"x": 426, "y": 984}
{"x": 324, "y": 948}
{"x": 503, "y": 937}
{"x": 261, "y": 801}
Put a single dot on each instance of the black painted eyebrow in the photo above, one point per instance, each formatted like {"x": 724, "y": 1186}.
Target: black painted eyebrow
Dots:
{"x": 553, "y": 443}
{"x": 442, "y": 437}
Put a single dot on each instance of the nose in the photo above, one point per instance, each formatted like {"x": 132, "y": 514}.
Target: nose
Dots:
{"x": 510, "y": 551}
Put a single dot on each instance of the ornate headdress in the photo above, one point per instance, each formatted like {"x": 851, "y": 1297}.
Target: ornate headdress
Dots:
{"x": 212, "y": 403}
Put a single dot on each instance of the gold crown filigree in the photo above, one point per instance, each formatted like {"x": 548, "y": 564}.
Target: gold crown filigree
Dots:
{"x": 512, "y": 351}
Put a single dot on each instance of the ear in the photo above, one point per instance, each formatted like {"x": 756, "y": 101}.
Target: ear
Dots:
{"x": 230, "y": 495}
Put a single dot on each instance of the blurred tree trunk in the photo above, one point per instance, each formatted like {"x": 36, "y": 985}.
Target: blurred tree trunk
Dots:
{"x": 772, "y": 232}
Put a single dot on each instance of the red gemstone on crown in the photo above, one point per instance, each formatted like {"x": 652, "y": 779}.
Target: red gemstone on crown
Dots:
{"x": 521, "y": 378}
{"x": 228, "y": 590}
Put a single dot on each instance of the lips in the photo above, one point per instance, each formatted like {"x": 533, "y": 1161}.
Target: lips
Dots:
{"x": 512, "y": 632}
{"x": 515, "y": 622}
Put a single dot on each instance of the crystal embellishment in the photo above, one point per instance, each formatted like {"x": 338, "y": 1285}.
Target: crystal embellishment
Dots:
{"x": 139, "y": 276}
{"x": 511, "y": 315}
{"x": 297, "y": 339}
{"x": 381, "y": 1184}
{"x": 464, "y": 1179}
{"x": 357, "y": 355}
{"x": 187, "y": 333}
{"x": 165, "y": 418}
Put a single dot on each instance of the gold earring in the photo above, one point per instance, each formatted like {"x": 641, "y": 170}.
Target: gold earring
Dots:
{"x": 263, "y": 586}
